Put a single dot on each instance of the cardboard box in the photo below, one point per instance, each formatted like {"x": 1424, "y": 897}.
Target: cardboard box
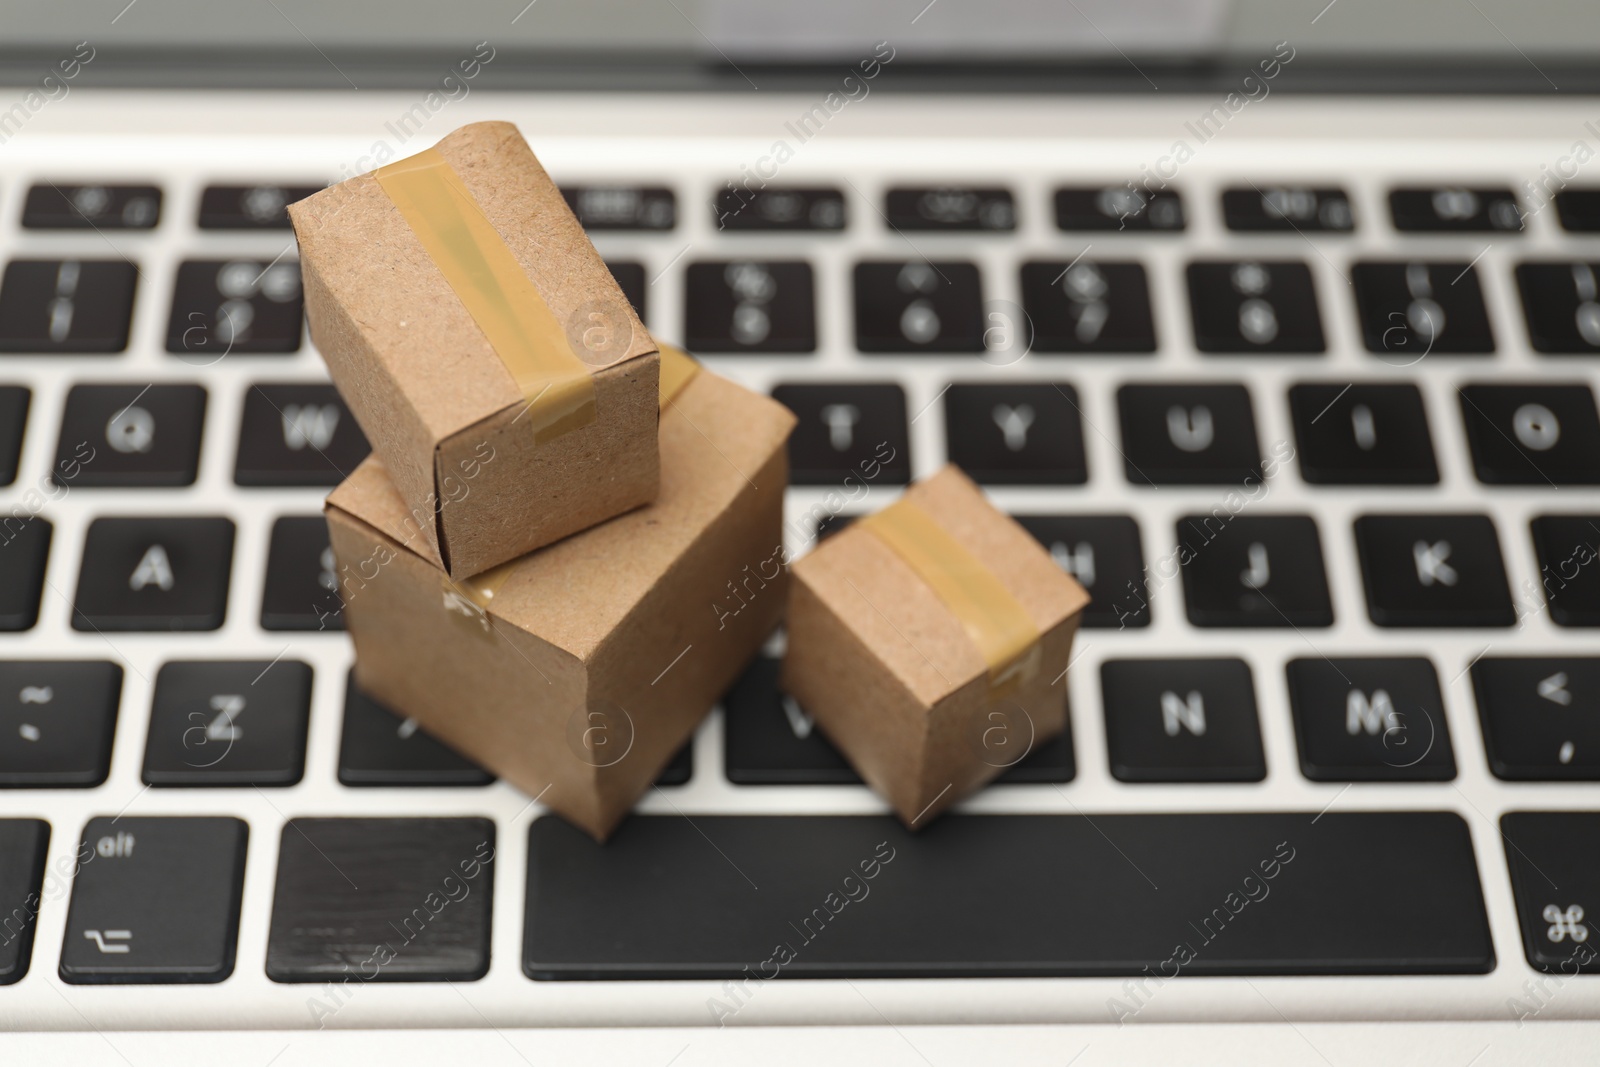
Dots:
{"x": 889, "y": 665}
{"x": 577, "y": 671}
{"x": 483, "y": 346}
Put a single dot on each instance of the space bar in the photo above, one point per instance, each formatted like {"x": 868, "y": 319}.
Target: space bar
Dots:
{"x": 759, "y": 897}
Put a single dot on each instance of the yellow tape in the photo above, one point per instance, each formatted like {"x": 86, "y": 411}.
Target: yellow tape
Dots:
{"x": 470, "y": 597}
{"x": 490, "y": 283}
{"x": 678, "y": 368}
{"x": 993, "y": 618}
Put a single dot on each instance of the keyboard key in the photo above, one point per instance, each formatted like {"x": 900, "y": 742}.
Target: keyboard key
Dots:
{"x": 778, "y": 208}
{"x": 680, "y": 768}
{"x": 57, "y": 718}
{"x": 136, "y": 436}
{"x": 830, "y": 524}
{"x": 1254, "y": 306}
{"x": 1579, "y": 210}
{"x": 1253, "y": 570}
{"x": 235, "y": 306}
{"x": 302, "y": 587}
{"x": 1450, "y": 209}
{"x": 1561, "y": 302}
{"x": 155, "y": 900}
{"x": 1088, "y": 306}
{"x": 746, "y": 306}
{"x": 1022, "y": 434}
{"x": 297, "y": 434}
{"x": 24, "y": 549}
{"x": 1103, "y": 552}
{"x": 1362, "y": 434}
{"x": 1433, "y": 570}
{"x": 1288, "y": 209}
{"x": 1119, "y": 208}
{"x": 623, "y": 207}
{"x": 23, "y": 843}
{"x": 1557, "y": 887}
{"x": 1567, "y": 545}
{"x": 847, "y": 431}
{"x": 378, "y": 748}
{"x": 1188, "y": 435}
{"x": 1538, "y": 717}
{"x": 1409, "y": 310}
{"x": 154, "y": 574}
{"x": 918, "y": 307}
{"x": 232, "y": 723}
{"x": 1181, "y": 720}
{"x": 56, "y": 206}
{"x": 55, "y": 305}
{"x": 1370, "y": 720}
{"x": 950, "y": 208}
{"x": 1533, "y": 434}
{"x": 630, "y": 279}
{"x": 250, "y": 207}
{"x": 1106, "y": 895}
{"x": 14, "y": 401}
{"x": 396, "y": 900}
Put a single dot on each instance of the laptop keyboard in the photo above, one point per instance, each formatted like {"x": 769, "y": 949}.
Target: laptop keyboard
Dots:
{"x": 1322, "y": 445}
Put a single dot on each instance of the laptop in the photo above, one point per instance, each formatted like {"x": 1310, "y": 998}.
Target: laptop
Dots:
{"x": 1276, "y": 324}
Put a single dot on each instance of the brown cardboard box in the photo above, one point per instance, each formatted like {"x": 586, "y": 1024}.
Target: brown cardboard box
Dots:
{"x": 596, "y": 657}
{"x": 891, "y": 674}
{"x": 490, "y": 472}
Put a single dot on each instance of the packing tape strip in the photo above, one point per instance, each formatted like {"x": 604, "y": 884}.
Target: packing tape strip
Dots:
{"x": 678, "y": 368}
{"x": 999, "y": 625}
{"x": 487, "y": 279}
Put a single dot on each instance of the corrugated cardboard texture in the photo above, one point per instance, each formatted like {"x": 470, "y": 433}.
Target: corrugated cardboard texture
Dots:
{"x": 630, "y": 614}
{"x": 892, "y": 677}
{"x": 430, "y": 392}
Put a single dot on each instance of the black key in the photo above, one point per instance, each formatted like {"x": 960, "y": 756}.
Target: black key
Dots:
{"x": 232, "y": 723}
{"x": 24, "y": 549}
{"x": 154, "y": 574}
{"x": 769, "y": 739}
{"x": 302, "y": 588}
{"x": 681, "y": 768}
{"x": 1370, "y": 720}
{"x": 1253, "y": 570}
{"x": 1567, "y": 545}
{"x": 918, "y": 307}
{"x": 1288, "y": 209}
{"x": 1111, "y": 895}
{"x": 379, "y": 748}
{"x": 746, "y": 306}
{"x": 1022, "y": 434}
{"x": 1254, "y": 306}
{"x": 1119, "y": 208}
{"x": 56, "y": 206}
{"x": 1533, "y": 434}
{"x": 1579, "y": 210}
{"x": 1556, "y": 883}
{"x": 1181, "y": 720}
{"x": 623, "y": 207}
{"x": 1538, "y": 717}
{"x": 1561, "y": 302}
{"x": 155, "y": 900}
{"x": 1452, "y": 209}
{"x": 1433, "y": 570}
{"x": 57, "y": 718}
{"x": 847, "y": 431}
{"x": 779, "y": 208}
{"x": 1362, "y": 434}
{"x": 830, "y": 524}
{"x": 13, "y": 421}
{"x": 234, "y": 306}
{"x": 126, "y": 436}
{"x": 23, "y": 843}
{"x": 394, "y": 900}
{"x": 1188, "y": 435}
{"x": 950, "y": 208}
{"x": 1088, "y": 306}
{"x": 631, "y": 280}
{"x": 250, "y": 207}
{"x": 1410, "y": 310}
{"x": 297, "y": 434}
{"x": 1103, "y": 552}
{"x": 71, "y": 305}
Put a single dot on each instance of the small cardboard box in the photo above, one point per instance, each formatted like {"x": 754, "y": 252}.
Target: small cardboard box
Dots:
{"x": 887, "y": 663}
{"x": 483, "y": 346}
{"x": 577, "y": 671}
